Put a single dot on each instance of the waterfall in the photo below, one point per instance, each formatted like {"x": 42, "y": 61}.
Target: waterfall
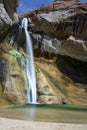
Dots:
{"x": 12, "y": 40}
{"x": 30, "y": 69}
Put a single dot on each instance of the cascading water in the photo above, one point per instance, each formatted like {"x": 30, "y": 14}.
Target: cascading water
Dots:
{"x": 30, "y": 69}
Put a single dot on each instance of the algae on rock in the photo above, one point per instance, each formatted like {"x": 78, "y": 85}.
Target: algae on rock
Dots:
{"x": 14, "y": 90}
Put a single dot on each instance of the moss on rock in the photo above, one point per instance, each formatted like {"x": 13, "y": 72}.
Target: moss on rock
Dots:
{"x": 15, "y": 84}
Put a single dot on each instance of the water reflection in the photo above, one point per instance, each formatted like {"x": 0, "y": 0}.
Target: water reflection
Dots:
{"x": 32, "y": 112}
{"x": 49, "y": 113}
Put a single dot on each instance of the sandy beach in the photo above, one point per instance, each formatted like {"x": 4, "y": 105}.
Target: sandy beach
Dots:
{"x": 12, "y": 124}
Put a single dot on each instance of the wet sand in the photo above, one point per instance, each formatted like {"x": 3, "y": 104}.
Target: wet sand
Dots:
{"x": 13, "y": 124}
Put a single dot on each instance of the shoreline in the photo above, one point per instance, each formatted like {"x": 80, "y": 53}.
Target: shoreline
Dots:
{"x": 66, "y": 114}
{"x": 14, "y": 124}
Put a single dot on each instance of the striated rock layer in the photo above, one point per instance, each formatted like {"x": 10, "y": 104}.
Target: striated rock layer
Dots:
{"x": 65, "y": 21}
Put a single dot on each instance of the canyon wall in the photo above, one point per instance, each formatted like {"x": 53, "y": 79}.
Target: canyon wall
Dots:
{"x": 65, "y": 21}
{"x": 12, "y": 63}
{"x": 59, "y": 34}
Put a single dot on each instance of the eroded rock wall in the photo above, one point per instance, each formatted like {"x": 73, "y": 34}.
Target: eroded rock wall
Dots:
{"x": 7, "y": 16}
{"x": 65, "y": 21}
{"x": 12, "y": 75}
{"x": 12, "y": 63}
{"x": 59, "y": 33}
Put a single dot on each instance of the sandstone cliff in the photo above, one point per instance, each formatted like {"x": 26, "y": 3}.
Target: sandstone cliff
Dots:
{"x": 12, "y": 63}
{"x": 59, "y": 33}
{"x": 65, "y": 21}
{"x": 7, "y": 16}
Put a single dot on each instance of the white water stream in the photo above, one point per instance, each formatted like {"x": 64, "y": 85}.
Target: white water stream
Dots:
{"x": 30, "y": 69}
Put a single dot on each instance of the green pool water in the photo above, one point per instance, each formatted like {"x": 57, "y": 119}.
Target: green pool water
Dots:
{"x": 47, "y": 113}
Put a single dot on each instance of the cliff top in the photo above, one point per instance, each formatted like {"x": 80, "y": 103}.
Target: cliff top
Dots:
{"x": 57, "y": 5}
